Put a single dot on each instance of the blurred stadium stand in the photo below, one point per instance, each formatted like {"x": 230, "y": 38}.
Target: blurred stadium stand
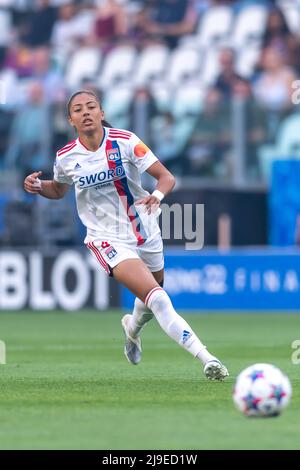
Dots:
{"x": 206, "y": 83}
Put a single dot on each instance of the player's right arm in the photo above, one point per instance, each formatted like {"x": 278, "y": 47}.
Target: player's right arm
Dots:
{"x": 51, "y": 189}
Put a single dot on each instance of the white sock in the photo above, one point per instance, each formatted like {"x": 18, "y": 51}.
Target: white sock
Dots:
{"x": 140, "y": 316}
{"x": 174, "y": 325}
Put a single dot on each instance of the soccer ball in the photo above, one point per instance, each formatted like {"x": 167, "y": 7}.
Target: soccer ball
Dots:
{"x": 262, "y": 390}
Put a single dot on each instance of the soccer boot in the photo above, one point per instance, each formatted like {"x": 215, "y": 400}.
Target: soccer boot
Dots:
{"x": 133, "y": 346}
{"x": 215, "y": 370}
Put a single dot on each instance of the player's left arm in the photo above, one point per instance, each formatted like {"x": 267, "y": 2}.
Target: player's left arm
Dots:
{"x": 165, "y": 179}
{"x": 165, "y": 184}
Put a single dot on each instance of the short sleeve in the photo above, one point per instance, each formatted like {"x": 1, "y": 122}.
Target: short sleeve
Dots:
{"x": 59, "y": 174}
{"x": 140, "y": 155}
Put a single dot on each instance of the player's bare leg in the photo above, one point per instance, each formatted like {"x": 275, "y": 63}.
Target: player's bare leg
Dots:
{"x": 134, "y": 323}
{"x": 135, "y": 275}
{"x": 141, "y": 313}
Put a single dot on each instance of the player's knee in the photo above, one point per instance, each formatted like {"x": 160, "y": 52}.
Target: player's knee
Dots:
{"x": 158, "y": 296}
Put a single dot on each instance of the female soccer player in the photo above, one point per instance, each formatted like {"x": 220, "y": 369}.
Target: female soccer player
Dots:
{"x": 105, "y": 165}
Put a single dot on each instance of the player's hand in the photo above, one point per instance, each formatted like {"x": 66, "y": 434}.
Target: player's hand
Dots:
{"x": 151, "y": 203}
{"x": 32, "y": 183}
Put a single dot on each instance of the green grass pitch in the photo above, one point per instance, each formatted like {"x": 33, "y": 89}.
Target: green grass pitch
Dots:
{"x": 67, "y": 384}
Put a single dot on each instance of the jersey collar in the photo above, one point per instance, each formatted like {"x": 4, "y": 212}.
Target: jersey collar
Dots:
{"x": 86, "y": 149}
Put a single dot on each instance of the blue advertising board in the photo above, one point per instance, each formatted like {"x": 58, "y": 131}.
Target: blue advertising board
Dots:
{"x": 234, "y": 280}
{"x": 284, "y": 203}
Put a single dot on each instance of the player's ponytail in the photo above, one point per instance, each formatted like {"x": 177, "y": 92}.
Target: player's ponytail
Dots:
{"x": 106, "y": 124}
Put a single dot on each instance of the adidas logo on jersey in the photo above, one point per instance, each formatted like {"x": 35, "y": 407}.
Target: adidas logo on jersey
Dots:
{"x": 77, "y": 166}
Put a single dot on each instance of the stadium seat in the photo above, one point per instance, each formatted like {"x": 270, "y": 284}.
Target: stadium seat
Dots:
{"x": 184, "y": 65}
{"x": 183, "y": 131}
{"x": 10, "y": 85}
{"x": 186, "y": 105}
{"x": 119, "y": 66}
{"x": 247, "y": 59}
{"x": 188, "y": 100}
{"x": 291, "y": 11}
{"x": 162, "y": 96}
{"x": 116, "y": 104}
{"x": 286, "y": 147}
{"x": 214, "y": 27}
{"x": 5, "y": 27}
{"x": 249, "y": 26}
{"x": 84, "y": 64}
{"x": 151, "y": 64}
{"x": 210, "y": 68}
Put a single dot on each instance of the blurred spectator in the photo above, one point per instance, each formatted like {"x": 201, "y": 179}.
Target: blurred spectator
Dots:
{"x": 142, "y": 111}
{"x": 256, "y": 126}
{"x": 6, "y": 118}
{"x": 61, "y": 131}
{"x": 209, "y": 151}
{"x": 276, "y": 32}
{"x": 2, "y": 56}
{"x": 73, "y": 27}
{"x": 50, "y": 78}
{"x": 39, "y": 25}
{"x": 84, "y": 18}
{"x": 5, "y": 26}
{"x": 9, "y": 87}
{"x": 65, "y": 29}
{"x": 273, "y": 88}
{"x": 278, "y": 36}
{"x": 19, "y": 58}
{"x": 165, "y": 143}
{"x": 137, "y": 27}
{"x": 29, "y": 145}
{"x": 211, "y": 139}
{"x": 227, "y": 78}
{"x": 171, "y": 19}
{"x": 111, "y": 22}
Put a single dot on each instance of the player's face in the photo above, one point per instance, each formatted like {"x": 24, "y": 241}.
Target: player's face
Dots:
{"x": 86, "y": 114}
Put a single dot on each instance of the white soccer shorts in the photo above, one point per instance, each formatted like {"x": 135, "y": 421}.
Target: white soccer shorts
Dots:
{"x": 110, "y": 254}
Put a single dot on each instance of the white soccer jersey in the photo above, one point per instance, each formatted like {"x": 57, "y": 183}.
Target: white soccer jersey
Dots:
{"x": 107, "y": 184}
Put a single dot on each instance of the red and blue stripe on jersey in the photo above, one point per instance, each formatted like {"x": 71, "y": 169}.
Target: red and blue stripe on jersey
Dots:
{"x": 125, "y": 194}
{"x": 119, "y": 134}
{"x": 66, "y": 148}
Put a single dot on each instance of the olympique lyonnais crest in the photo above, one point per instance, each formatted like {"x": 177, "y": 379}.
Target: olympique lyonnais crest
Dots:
{"x": 111, "y": 252}
{"x": 113, "y": 154}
